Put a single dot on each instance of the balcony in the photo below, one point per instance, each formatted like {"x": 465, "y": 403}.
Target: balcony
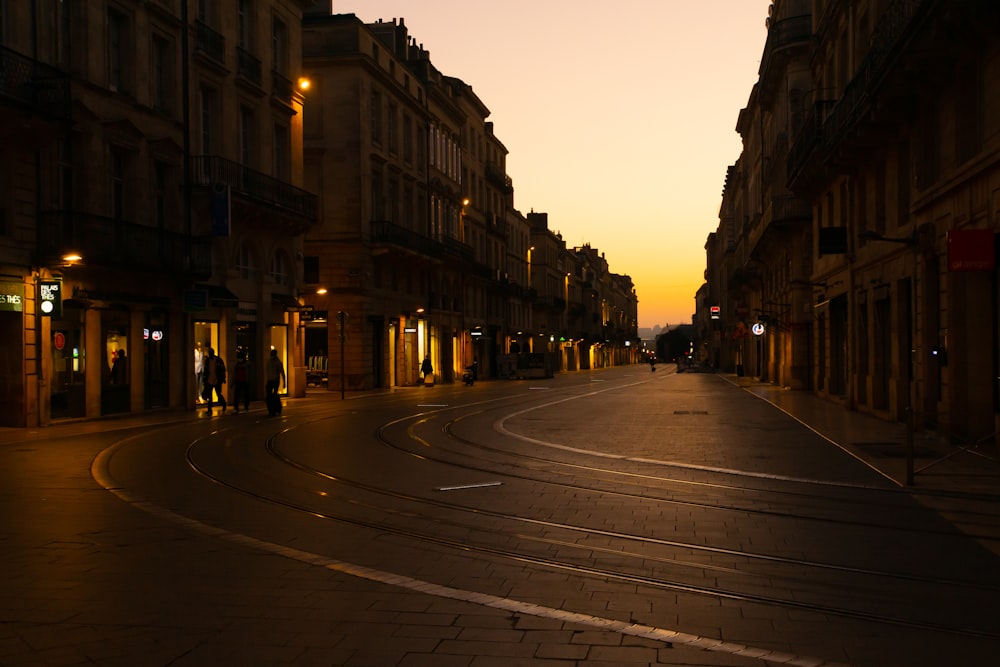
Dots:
{"x": 281, "y": 87}
{"x": 787, "y": 210}
{"x": 783, "y": 34}
{"x": 33, "y": 85}
{"x": 111, "y": 243}
{"x": 248, "y": 67}
{"x": 833, "y": 123}
{"x": 209, "y": 43}
{"x": 459, "y": 251}
{"x": 252, "y": 185}
{"x": 807, "y": 140}
{"x": 496, "y": 176}
{"x": 385, "y": 232}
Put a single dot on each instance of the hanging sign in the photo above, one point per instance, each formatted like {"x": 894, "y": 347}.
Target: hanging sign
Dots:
{"x": 971, "y": 250}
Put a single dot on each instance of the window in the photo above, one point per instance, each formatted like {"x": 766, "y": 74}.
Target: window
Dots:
{"x": 282, "y": 155}
{"x": 161, "y": 74}
{"x": 205, "y": 11}
{"x": 969, "y": 112}
{"x": 394, "y": 201}
{"x": 160, "y": 181}
{"x": 279, "y": 46}
{"x": 247, "y": 136}
{"x": 378, "y": 208}
{"x": 279, "y": 268}
{"x": 407, "y": 139}
{"x": 117, "y": 51}
{"x": 245, "y": 20}
{"x": 310, "y": 270}
{"x": 376, "y": 120}
{"x": 903, "y": 180}
{"x": 61, "y": 36}
{"x": 118, "y": 188}
{"x": 391, "y": 129}
{"x": 244, "y": 262}
{"x": 64, "y": 185}
{"x": 207, "y": 119}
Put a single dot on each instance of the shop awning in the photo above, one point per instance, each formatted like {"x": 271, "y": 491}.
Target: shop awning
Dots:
{"x": 219, "y": 296}
{"x": 286, "y": 301}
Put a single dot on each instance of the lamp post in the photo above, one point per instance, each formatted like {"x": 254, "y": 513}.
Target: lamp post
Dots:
{"x": 342, "y": 325}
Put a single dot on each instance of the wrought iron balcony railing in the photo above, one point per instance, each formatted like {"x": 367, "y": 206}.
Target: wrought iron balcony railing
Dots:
{"x": 383, "y": 231}
{"x": 34, "y": 85}
{"x": 448, "y": 250}
{"x": 107, "y": 242}
{"x": 835, "y": 120}
{"x": 248, "y": 66}
{"x": 281, "y": 87}
{"x": 209, "y": 42}
{"x": 208, "y": 170}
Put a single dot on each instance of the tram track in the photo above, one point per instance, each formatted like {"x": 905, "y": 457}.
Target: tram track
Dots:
{"x": 650, "y": 484}
{"x": 634, "y": 575}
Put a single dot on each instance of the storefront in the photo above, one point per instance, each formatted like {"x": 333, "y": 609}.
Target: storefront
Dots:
{"x": 12, "y": 357}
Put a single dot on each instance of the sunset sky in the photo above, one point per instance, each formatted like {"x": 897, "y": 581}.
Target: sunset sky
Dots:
{"x": 619, "y": 117}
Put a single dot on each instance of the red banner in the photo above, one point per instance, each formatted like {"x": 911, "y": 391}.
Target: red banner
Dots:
{"x": 971, "y": 250}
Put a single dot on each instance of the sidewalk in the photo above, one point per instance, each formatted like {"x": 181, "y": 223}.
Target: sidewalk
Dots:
{"x": 962, "y": 484}
{"x": 937, "y": 464}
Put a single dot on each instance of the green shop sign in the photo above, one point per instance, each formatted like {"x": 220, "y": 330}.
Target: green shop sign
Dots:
{"x": 11, "y": 297}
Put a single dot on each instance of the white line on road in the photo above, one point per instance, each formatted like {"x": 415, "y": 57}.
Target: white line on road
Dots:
{"x": 468, "y": 486}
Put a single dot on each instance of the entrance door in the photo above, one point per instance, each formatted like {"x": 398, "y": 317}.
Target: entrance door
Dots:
{"x": 116, "y": 357}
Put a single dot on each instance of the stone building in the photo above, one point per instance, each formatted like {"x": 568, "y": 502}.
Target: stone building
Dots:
{"x": 875, "y": 126}
{"x": 150, "y": 206}
{"x": 419, "y": 251}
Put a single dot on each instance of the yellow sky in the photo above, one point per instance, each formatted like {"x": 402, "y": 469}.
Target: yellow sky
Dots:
{"x": 619, "y": 117}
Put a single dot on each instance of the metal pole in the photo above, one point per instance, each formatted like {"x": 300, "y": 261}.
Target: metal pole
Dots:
{"x": 341, "y": 318}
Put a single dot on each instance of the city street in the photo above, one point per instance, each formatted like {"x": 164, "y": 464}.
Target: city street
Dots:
{"x": 601, "y": 518}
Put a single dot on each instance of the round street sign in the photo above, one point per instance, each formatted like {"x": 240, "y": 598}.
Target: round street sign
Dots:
{"x": 758, "y": 329}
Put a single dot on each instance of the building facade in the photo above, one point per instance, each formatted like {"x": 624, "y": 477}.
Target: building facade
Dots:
{"x": 420, "y": 252}
{"x": 859, "y": 224}
{"x": 154, "y": 210}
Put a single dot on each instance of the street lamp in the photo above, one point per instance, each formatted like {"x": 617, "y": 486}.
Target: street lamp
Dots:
{"x": 461, "y": 220}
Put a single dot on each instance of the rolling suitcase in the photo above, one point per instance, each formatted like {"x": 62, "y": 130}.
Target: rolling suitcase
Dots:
{"x": 273, "y": 404}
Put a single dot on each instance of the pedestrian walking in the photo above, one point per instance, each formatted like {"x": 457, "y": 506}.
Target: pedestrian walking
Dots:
{"x": 119, "y": 369}
{"x": 275, "y": 378}
{"x": 215, "y": 378}
{"x": 427, "y": 370}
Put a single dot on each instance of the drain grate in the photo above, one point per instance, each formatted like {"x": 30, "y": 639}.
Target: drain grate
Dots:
{"x": 690, "y": 412}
